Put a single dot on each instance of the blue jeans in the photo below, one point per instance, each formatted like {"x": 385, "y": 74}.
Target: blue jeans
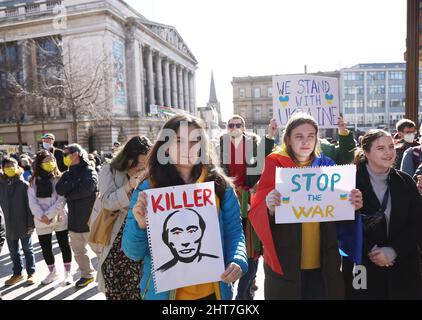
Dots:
{"x": 244, "y": 291}
{"x": 16, "y": 256}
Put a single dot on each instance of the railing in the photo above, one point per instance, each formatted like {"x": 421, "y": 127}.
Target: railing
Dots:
{"x": 32, "y": 8}
{"x": 12, "y": 12}
{"x": 52, "y": 4}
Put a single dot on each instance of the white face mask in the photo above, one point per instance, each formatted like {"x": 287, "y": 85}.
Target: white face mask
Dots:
{"x": 409, "y": 137}
{"x": 46, "y": 146}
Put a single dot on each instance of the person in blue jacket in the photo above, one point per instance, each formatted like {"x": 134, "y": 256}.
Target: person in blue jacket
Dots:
{"x": 190, "y": 162}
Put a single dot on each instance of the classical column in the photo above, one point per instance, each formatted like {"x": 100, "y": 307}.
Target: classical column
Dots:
{"x": 180, "y": 86}
{"x": 167, "y": 88}
{"x": 159, "y": 77}
{"x": 174, "y": 100}
{"x": 186, "y": 89}
{"x": 191, "y": 98}
{"x": 193, "y": 93}
{"x": 150, "y": 78}
{"x": 134, "y": 76}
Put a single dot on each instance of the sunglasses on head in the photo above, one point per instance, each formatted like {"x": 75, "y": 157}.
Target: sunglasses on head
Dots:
{"x": 237, "y": 125}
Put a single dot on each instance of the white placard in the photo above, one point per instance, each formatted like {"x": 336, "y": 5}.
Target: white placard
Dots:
{"x": 184, "y": 236}
{"x": 315, "y": 194}
{"x": 315, "y": 95}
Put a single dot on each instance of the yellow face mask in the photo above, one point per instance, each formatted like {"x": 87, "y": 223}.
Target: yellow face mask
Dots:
{"x": 48, "y": 166}
{"x": 11, "y": 172}
{"x": 67, "y": 161}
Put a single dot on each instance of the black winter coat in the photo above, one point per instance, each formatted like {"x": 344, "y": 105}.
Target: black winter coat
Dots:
{"x": 18, "y": 217}
{"x": 79, "y": 186}
{"x": 403, "y": 280}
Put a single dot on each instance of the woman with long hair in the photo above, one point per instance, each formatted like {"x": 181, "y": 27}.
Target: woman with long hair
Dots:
{"x": 392, "y": 224}
{"x": 50, "y": 214}
{"x": 301, "y": 260}
{"x": 183, "y": 142}
{"x": 118, "y": 277}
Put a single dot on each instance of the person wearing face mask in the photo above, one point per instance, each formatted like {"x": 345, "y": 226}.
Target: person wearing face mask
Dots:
{"x": 118, "y": 276}
{"x": 48, "y": 144}
{"x": 406, "y": 130}
{"x": 50, "y": 214}
{"x": 18, "y": 220}
{"x": 240, "y": 153}
{"x": 412, "y": 158}
{"x": 79, "y": 186}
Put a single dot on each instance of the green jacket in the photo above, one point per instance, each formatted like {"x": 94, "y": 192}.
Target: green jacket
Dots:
{"x": 343, "y": 152}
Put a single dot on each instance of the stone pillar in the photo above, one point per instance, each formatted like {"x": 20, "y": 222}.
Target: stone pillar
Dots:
{"x": 159, "y": 77}
{"x": 191, "y": 98}
{"x": 194, "y": 92}
{"x": 175, "y": 102}
{"x": 134, "y": 76}
{"x": 186, "y": 89}
{"x": 180, "y": 87}
{"x": 167, "y": 88}
{"x": 150, "y": 78}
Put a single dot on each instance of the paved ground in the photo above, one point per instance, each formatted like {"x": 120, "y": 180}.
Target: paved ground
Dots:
{"x": 55, "y": 291}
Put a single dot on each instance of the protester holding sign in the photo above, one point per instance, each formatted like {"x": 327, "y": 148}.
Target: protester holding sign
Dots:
{"x": 301, "y": 260}
{"x": 118, "y": 277}
{"x": 181, "y": 156}
{"x": 392, "y": 224}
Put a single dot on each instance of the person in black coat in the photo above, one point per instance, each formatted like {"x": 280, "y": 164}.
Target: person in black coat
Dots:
{"x": 79, "y": 186}
{"x": 18, "y": 220}
{"x": 392, "y": 224}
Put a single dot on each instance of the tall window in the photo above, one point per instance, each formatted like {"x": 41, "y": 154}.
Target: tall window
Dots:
{"x": 241, "y": 92}
{"x": 256, "y": 92}
{"x": 269, "y": 91}
{"x": 258, "y": 112}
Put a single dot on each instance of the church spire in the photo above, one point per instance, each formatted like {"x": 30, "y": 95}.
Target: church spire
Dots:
{"x": 213, "y": 94}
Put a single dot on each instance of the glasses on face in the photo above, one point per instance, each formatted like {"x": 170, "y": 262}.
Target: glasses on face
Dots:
{"x": 237, "y": 125}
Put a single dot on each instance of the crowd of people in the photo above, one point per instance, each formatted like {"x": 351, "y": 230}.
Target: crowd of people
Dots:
{"x": 65, "y": 192}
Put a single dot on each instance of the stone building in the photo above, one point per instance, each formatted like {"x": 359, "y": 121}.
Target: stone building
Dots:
{"x": 151, "y": 67}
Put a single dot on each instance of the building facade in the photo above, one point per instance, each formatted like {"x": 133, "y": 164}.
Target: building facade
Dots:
{"x": 374, "y": 95}
{"x": 151, "y": 69}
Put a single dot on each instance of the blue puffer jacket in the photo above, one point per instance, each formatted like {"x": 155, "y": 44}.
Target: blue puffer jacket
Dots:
{"x": 135, "y": 245}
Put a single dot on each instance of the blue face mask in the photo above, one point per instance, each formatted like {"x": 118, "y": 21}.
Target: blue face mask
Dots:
{"x": 46, "y": 146}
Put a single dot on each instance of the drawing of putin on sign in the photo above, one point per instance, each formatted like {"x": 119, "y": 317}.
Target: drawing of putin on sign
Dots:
{"x": 183, "y": 237}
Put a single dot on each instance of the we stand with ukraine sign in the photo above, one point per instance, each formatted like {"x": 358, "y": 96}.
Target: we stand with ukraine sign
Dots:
{"x": 315, "y": 95}
{"x": 317, "y": 194}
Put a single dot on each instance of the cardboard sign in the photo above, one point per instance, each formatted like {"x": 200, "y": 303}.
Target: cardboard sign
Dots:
{"x": 184, "y": 236}
{"x": 317, "y": 96}
{"x": 315, "y": 194}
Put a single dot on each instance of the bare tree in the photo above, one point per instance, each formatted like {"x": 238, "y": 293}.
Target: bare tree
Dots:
{"x": 65, "y": 81}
